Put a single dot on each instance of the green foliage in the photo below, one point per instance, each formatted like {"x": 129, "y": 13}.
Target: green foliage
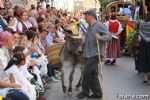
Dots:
{"x": 132, "y": 35}
{"x": 104, "y": 2}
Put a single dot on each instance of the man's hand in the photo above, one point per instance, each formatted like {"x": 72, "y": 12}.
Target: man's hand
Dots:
{"x": 97, "y": 36}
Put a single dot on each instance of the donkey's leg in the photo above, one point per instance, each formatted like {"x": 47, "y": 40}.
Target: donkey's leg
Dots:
{"x": 62, "y": 81}
{"x": 71, "y": 79}
{"x": 80, "y": 80}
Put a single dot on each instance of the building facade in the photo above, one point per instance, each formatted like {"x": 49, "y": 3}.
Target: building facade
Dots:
{"x": 87, "y": 4}
{"x": 69, "y": 5}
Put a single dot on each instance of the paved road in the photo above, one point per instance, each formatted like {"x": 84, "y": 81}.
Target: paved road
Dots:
{"x": 120, "y": 80}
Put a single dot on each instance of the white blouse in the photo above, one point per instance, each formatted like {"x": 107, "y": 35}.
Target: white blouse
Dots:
{"x": 20, "y": 26}
{"x": 120, "y": 26}
{"x": 20, "y": 79}
{"x": 4, "y": 57}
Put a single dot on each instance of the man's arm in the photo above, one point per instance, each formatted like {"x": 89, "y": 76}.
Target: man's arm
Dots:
{"x": 104, "y": 33}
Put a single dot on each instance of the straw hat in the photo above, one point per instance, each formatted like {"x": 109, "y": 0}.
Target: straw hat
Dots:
{"x": 74, "y": 33}
{"x": 4, "y": 36}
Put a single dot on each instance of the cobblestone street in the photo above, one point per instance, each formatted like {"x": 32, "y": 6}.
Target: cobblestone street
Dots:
{"x": 120, "y": 80}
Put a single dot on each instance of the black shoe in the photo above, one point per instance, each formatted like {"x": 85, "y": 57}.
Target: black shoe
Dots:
{"x": 95, "y": 96}
{"x": 107, "y": 61}
{"x": 145, "y": 82}
{"x": 82, "y": 95}
{"x": 113, "y": 62}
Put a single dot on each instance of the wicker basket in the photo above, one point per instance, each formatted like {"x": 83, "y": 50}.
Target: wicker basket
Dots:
{"x": 53, "y": 52}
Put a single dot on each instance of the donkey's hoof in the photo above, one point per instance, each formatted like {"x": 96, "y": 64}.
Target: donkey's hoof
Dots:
{"x": 64, "y": 89}
{"x": 69, "y": 89}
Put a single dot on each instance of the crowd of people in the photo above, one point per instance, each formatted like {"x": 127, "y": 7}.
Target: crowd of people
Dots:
{"x": 24, "y": 37}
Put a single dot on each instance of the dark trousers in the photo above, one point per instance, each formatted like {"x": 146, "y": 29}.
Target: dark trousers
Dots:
{"x": 90, "y": 77}
{"x": 16, "y": 95}
{"x": 51, "y": 70}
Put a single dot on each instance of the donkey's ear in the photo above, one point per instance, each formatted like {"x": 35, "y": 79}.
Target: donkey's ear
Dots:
{"x": 68, "y": 32}
{"x": 67, "y": 37}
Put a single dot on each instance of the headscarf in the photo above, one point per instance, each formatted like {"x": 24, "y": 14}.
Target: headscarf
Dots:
{"x": 4, "y": 36}
{"x": 145, "y": 31}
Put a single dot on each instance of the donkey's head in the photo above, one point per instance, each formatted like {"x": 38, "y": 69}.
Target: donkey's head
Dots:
{"x": 73, "y": 45}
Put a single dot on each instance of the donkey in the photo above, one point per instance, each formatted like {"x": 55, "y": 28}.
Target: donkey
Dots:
{"x": 69, "y": 58}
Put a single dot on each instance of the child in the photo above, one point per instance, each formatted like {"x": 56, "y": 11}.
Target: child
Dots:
{"x": 14, "y": 75}
{"x": 23, "y": 42}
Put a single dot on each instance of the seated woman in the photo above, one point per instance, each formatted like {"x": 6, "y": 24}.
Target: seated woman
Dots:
{"x": 12, "y": 23}
{"x": 24, "y": 23}
{"x": 53, "y": 35}
{"x": 24, "y": 68}
{"x": 34, "y": 70}
{"x": 16, "y": 38}
{"x": 50, "y": 68}
{"x": 8, "y": 89}
{"x": 14, "y": 75}
{"x": 43, "y": 34}
{"x": 40, "y": 58}
{"x": 36, "y": 80}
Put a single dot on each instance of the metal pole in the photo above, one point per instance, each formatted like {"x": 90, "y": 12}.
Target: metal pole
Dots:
{"x": 100, "y": 71}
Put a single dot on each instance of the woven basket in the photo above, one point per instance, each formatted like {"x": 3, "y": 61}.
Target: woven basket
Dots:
{"x": 53, "y": 52}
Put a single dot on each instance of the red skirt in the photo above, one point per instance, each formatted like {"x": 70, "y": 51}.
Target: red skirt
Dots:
{"x": 113, "y": 49}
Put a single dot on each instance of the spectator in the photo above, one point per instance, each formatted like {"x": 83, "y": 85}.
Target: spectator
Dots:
{"x": 52, "y": 35}
{"x": 33, "y": 7}
{"x": 14, "y": 75}
{"x": 3, "y": 24}
{"x": 43, "y": 34}
{"x": 12, "y": 23}
{"x": 6, "y": 42}
{"x": 10, "y": 12}
{"x": 16, "y": 38}
{"x": 24, "y": 23}
{"x": 8, "y": 89}
{"x": 41, "y": 12}
{"x": 48, "y": 8}
{"x": 7, "y": 5}
{"x": 33, "y": 19}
